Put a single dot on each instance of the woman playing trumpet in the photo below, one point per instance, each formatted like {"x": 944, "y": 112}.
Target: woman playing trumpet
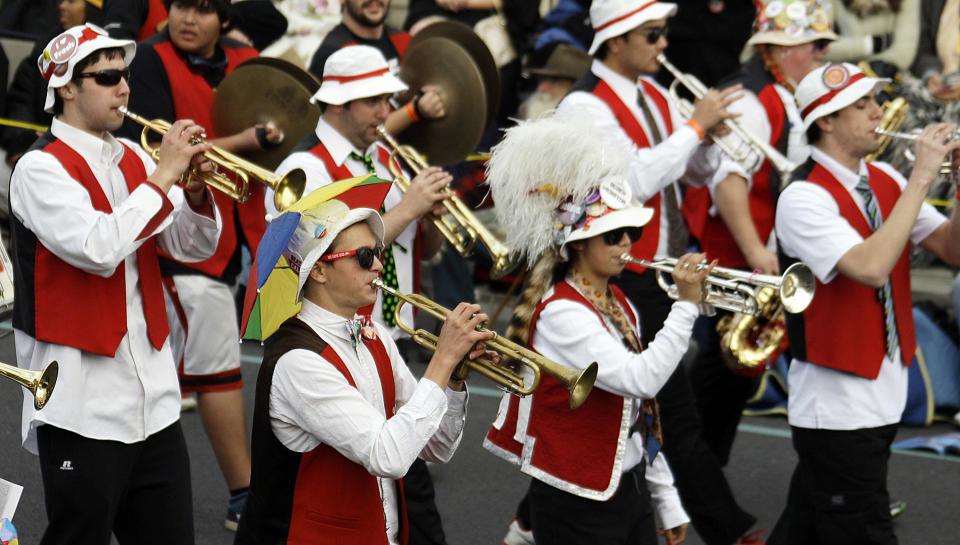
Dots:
{"x": 597, "y": 472}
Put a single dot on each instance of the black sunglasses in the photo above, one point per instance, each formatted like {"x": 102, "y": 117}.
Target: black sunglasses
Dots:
{"x": 612, "y": 238}
{"x": 364, "y": 256}
{"x": 821, "y": 44}
{"x": 107, "y": 78}
{"x": 653, "y": 35}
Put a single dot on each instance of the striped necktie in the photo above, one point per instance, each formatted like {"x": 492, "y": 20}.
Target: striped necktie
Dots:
{"x": 389, "y": 272}
{"x": 884, "y": 294}
{"x": 677, "y": 235}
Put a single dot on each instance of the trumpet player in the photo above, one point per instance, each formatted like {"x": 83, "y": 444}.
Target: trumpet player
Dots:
{"x": 339, "y": 418}
{"x": 89, "y": 215}
{"x": 853, "y": 223}
{"x": 733, "y": 218}
{"x": 571, "y": 212}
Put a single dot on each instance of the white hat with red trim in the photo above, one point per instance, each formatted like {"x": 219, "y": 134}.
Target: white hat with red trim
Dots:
{"x": 792, "y": 22}
{"x": 70, "y": 47}
{"x": 356, "y": 71}
{"x": 612, "y": 18}
{"x": 831, "y": 88}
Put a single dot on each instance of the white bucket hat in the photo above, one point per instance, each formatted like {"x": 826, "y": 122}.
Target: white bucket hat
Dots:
{"x": 356, "y": 71}
{"x": 316, "y": 231}
{"x": 70, "y": 47}
{"x": 831, "y": 88}
{"x": 612, "y": 18}
{"x": 792, "y": 22}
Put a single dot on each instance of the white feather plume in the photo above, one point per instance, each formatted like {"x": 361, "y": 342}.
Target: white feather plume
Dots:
{"x": 565, "y": 152}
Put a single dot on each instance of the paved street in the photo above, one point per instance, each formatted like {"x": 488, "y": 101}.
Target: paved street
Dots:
{"x": 477, "y": 492}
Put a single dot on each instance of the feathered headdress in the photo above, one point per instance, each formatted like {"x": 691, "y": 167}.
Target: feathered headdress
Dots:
{"x": 558, "y": 179}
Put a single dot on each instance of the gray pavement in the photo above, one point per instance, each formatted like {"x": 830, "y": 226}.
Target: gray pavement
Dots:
{"x": 477, "y": 492}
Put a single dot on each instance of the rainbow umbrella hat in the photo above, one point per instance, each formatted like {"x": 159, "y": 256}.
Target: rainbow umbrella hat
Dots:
{"x": 272, "y": 286}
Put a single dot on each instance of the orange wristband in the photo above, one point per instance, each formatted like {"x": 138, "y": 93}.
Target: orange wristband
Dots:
{"x": 696, "y": 126}
{"x": 411, "y": 111}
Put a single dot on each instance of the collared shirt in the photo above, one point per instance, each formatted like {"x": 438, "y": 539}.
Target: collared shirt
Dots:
{"x": 311, "y": 403}
{"x": 135, "y": 393}
{"x": 653, "y": 169}
{"x": 810, "y": 228}
{"x": 317, "y": 176}
{"x": 569, "y": 333}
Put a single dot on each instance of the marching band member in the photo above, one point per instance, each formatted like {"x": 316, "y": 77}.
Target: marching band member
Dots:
{"x": 570, "y": 208}
{"x": 620, "y": 95}
{"x": 339, "y": 418}
{"x": 89, "y": 215}
{"x": 175, "y": 75}
{"x": 364, "y": 23}
{"x": 734, "y": 218}
{"x": 852, "y": 222}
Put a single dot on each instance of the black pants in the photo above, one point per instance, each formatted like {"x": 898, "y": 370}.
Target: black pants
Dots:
{"x": 426, "y": 528}
{"x": 561, "y": 518}
{"x": 697, "y": 472}
{"x": 140, "y": 492}
{"x": 838, "y": 493}
{"x": 721, "y": 394}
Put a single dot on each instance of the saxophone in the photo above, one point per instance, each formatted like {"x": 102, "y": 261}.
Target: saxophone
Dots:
{"x": 749, "y": 342}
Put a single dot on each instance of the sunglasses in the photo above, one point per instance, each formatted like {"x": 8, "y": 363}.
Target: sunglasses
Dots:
{"x": 364, "y": 256}
{"x": 107, "y": 78}
{"x": 653, "y": 35}
{"x": 612, "y": 238}
{"x": 821, "y": 44}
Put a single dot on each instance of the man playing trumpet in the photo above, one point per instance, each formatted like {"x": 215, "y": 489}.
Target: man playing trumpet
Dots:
{"x": 853, "y": 223}
{"x": 89, "y": 215}
{"x": 339, "y": 418}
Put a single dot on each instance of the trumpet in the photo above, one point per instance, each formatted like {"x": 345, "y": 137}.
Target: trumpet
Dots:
{"x": 287, "y": 188}
{"x": 736, "y": 290}
{"x": 749, "y": 159}
{"x": 947, "y": 168}
{"x": 459, "y": 226}
{"x": 577, "y": 382}
{"x": 40, "y": 383}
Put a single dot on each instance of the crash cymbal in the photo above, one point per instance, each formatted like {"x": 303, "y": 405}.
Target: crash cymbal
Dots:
{"x": 444, "y": 64}
{"x": 265, "y": 89}
{"x": 468, "y": 39}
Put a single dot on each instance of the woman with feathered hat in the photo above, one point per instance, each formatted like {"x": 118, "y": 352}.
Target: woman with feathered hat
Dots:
{"x": 597, "y": 472}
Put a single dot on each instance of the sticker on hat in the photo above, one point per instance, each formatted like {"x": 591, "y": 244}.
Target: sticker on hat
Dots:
{"x": 62, "y": 49}
{"x": 615, "y": 193}
{"x": 774, "y": 9}
{"x": 820, "y": 21}
{"x": 836, "y": 76}
{"x": 797, "y": 11}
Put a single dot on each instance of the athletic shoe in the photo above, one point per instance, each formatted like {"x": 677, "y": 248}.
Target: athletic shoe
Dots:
{"x": 187, "y": 403}
{"x": 753, "y": 538}
{"x": 517, "y": 535}
{"x": 897, "y": 507}
{"x": 234, "y": 508}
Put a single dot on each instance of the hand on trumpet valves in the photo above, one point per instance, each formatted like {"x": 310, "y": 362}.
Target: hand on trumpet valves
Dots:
{"x": 178, "y": 149}
{"x": 932, "y": 147}
{"x": 426, "y": 192}
{"x": 711, "y": 109}
{"x": 690, "y": 278}
{"x": 459, "y": 339}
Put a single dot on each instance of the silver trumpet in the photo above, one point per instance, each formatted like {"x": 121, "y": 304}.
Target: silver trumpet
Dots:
{"x": 736, "y": 290}
{"x": 756, "y": 150}
{"x": 947, "y": 168}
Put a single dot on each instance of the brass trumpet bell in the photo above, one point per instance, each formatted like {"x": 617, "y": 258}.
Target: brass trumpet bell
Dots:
{"x": 578, "y": 382}
{"x": 40, "y": 383}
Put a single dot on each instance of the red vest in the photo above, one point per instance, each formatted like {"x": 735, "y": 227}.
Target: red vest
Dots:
{"x": 333, "y": 489}
{"x": 156, "y": 14}
{"x": 646, "y": 247}
{"x": 843, "y": 328}
{"x": 574, "y": 450}
{"x": 87, "y": 311}
{"x": 712, "y": 231}
{"x": 192, "y": 99}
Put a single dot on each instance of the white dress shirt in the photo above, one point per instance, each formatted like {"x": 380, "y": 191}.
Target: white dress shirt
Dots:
{"x": 135, "y": 393}
{"x": 311, "y": 403}
{"x": 569, "y": 333}
{"x": 810, "y": 228}
{"x": 679, "y": 157}
{"x": 317, "y": 177}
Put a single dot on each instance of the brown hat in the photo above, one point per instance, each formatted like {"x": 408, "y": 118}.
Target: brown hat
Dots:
{"x": 566, "y": 61}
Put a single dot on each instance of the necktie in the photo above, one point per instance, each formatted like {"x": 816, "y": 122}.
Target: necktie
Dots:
{"x": 389, "y": 273}
{"x": 677, "y": 235}
{"x": 884, "y": 294}
{"x": 361, "y": 328}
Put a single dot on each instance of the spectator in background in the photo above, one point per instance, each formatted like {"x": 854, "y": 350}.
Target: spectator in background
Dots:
{"x": 34, "y": 18}
{"x": 134, "y": 19}
{"x": 706, "y": 38}
{"x": 876, "y": 30}
{"x": 555, "y": 78}
{"x": 937, "y": 61}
